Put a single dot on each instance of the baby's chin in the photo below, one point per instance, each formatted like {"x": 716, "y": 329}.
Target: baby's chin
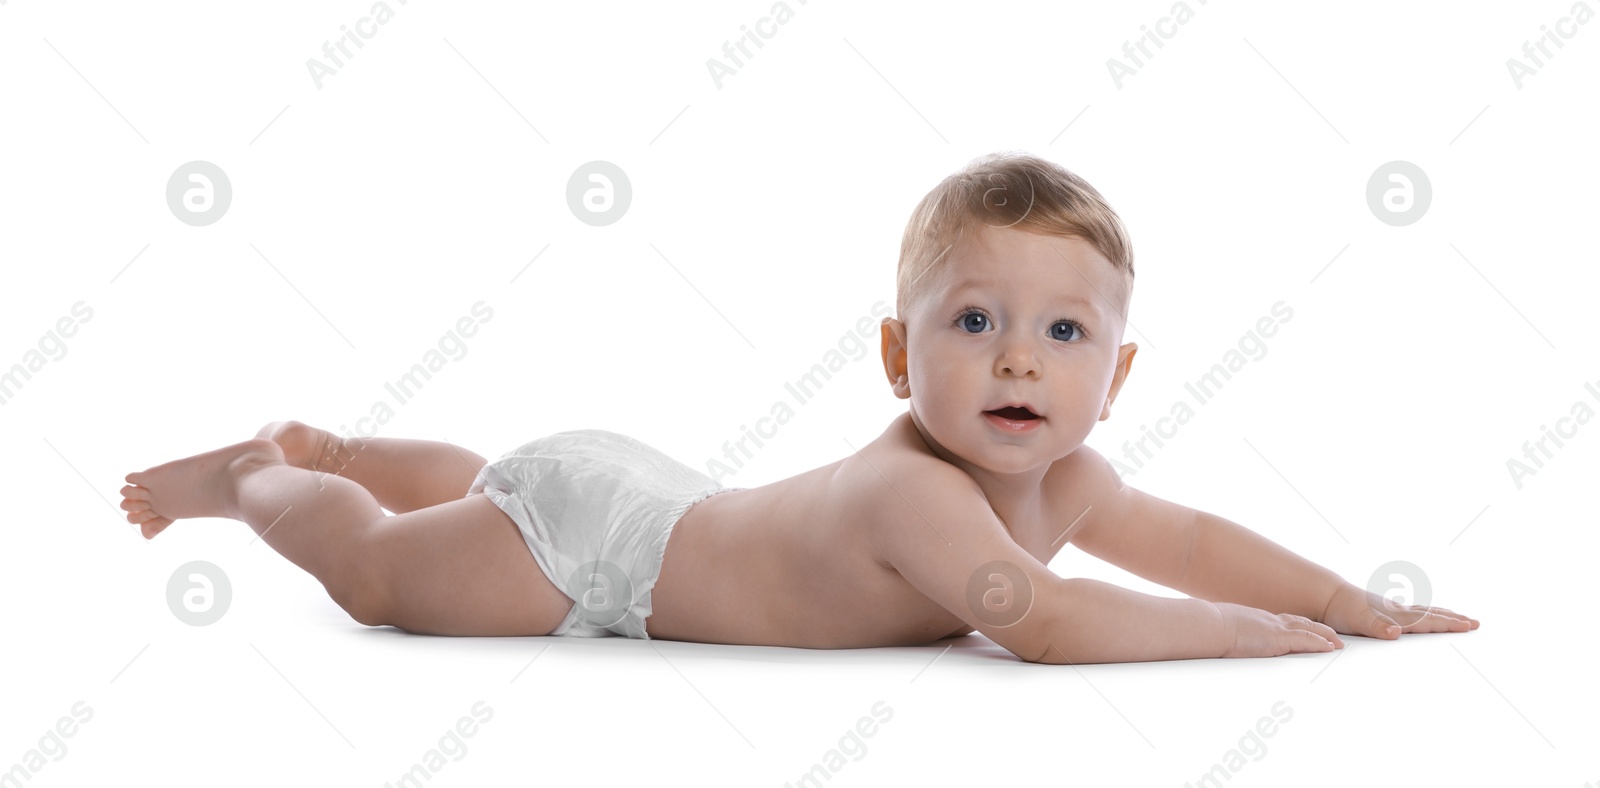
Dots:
{"x": 998, "y": 467}
{"x": 996, "y": 455}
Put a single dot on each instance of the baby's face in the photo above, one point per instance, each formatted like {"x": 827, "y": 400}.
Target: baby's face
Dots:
{"x": 1013, "y": 317}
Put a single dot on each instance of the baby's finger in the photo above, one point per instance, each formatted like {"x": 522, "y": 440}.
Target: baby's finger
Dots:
{"x": 1381, "y": 626}
{"x": 1420, "y": 614}
{"x": 1306, "y": 640}
{"x": 1451, "y": 614}
{"x": 1430, "y": 621}
{"x": 1327, "y": 633}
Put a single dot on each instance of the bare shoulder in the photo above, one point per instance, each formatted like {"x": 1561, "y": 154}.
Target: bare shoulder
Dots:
{"x": 929, "y": 521}
{"x": 1084, "y": 494}
{"x": 1084, "y": 475}
{"x": 899, "y": 485}
{"x": 895, "y": 478}
{"x": 1085, "y": 490}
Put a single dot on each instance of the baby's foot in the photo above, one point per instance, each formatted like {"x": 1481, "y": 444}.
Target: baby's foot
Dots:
{"x": 198, "y": 486}
{"x": 304, "y": 446}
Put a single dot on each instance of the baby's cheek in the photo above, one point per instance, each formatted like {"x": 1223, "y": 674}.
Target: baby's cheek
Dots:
{"x": 1078, "y": 421}
{"x": 935, "y": 380}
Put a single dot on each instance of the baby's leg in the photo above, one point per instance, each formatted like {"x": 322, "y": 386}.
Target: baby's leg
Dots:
{"x": 458, "y": 568}
{"x": 404, "y": 474}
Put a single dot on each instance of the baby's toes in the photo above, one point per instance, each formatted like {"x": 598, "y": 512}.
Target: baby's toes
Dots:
{"x": 153, "y": 527}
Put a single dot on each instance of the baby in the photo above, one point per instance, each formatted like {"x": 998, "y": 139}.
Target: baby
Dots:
{"x": 1012, "y": 294}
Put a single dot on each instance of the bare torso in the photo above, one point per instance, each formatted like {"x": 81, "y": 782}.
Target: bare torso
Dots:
{"x": 792, "y": 563}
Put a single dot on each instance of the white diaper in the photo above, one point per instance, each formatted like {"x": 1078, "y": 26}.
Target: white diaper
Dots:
{"x": 596, "y": 508}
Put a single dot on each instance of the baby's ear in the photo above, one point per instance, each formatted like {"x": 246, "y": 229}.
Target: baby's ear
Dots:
{"x": 894, "y": 356}
{"x": 1124, "y": 364}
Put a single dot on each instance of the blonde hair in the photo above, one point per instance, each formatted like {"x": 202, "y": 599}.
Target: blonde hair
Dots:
{"x": 1008, "y": 189}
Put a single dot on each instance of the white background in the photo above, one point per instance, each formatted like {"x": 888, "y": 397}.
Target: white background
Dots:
{"x": 370, "y": 214}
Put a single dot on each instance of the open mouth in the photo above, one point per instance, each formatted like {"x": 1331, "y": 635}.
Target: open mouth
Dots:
{"x": 1014, "y": 414}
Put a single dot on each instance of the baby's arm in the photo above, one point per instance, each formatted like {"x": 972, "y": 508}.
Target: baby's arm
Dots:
{"x": 1203, "y": 555}
{"x": 1213, "y": 558}
{"x": 932, "y": 524}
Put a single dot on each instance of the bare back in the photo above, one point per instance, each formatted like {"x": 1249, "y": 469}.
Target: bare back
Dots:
{"x": 796, "y": 562}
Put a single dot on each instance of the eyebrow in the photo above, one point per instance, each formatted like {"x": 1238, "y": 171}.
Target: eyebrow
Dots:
{"x": 968, "y": 284}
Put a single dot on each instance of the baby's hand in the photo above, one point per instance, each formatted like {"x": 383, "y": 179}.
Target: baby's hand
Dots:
{"x": 1259, "y": 633}
{"x": 1357, "y": 611}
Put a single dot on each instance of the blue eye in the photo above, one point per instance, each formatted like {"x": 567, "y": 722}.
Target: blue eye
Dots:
{"x": 1071, "y": 326}
{"x": 972, "y": 320}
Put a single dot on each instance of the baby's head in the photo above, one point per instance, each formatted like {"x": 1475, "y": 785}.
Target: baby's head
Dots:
{"x": 1013, "y": 288}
